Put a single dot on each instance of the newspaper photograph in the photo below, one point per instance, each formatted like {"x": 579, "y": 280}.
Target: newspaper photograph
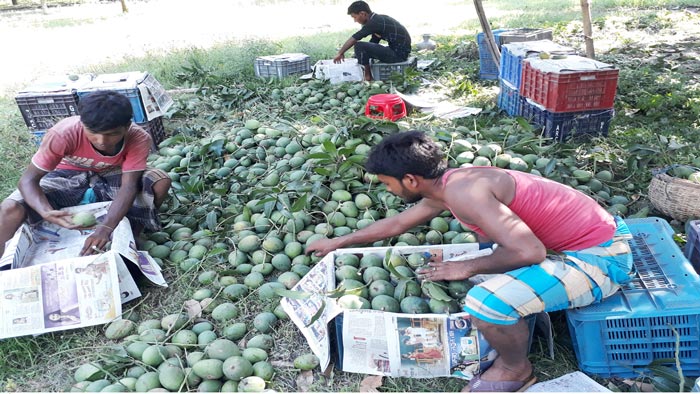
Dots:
{"x": 69, "y": 293}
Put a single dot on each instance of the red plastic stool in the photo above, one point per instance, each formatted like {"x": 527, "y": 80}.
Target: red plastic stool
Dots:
{"x": 385, "y": 106}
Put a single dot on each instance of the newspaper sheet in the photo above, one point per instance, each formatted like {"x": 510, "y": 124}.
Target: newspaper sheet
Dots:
{"x": 46, "y": 242}
{"x": 156, "y": 101}
{"x": 365, "y": 330}
{"x": 69, "y": 293}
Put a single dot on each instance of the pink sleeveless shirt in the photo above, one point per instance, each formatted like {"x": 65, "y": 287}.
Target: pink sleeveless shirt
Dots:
{"x": 561, "y": 217}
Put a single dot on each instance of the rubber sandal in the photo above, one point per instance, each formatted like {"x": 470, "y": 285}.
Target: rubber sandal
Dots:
{"x": 503, "y": 386}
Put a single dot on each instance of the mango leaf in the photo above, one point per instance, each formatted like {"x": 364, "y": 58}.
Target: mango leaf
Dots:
{"x": 217, "y": 146}
{"x": 388, "y": 127}
{"x": 330, "y": 148}
{"x": 300, "y": 203}
{"x": 323, "y": 171}
{"x": 435, "y": 291}
{"x": 318, "y": 313}
{"x": 293, "y": 294}
{"x": 217, "y": 251}
{"x": 550, "y": 167}
{"x": 390, "y": 267}
{"x": 319, "y": 155}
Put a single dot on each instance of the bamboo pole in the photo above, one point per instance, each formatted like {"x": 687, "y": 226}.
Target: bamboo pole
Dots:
{"x": 587, "y": 28}
{"x": 491, "y": 44}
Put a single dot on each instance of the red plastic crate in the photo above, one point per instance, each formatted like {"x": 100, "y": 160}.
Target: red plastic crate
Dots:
{"x": 568, "y": 85}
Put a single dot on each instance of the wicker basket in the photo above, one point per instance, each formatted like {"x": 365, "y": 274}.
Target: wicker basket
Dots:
{"x": 675, "y": 197}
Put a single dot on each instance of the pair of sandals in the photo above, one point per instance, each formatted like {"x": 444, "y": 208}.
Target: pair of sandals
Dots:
{"x": 503, "y": 386}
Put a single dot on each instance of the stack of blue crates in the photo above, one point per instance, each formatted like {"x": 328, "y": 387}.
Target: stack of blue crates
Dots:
{"x": 487, "y": 66}
{"x": 654, "y": 317}
{"x": 510, "y": 74}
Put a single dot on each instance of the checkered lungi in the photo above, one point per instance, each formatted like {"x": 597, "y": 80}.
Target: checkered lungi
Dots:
{"x": 65, "y": 188}
{"x": 574, "y": 279}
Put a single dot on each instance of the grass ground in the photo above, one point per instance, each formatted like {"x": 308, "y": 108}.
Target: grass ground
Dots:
{"x": 651, "y": 104}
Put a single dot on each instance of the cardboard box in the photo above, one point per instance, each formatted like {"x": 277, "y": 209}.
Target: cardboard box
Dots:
{"x": 376, "y": 342}
{"x": 347, "y": 71}
{"x": 47, "y": 287}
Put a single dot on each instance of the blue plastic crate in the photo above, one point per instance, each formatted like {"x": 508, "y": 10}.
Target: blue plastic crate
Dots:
{"x": 124, "y": 83}
{"x": 488, "y": 69}
{"x": 642, "y": 322}
{"x": 37, "y": 136}
{"x": 692, "y": 246}
{"x": 509, "y": 99}
{"x": 563, "y": 125}
{"x": 512, "y": 56}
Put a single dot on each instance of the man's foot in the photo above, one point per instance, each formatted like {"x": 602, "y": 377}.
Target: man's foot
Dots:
{"x": 501, "y": 378}
{"x": 503, "y": 386}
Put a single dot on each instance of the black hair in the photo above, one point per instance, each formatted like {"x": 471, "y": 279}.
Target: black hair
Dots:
{"x": 105, "y": 110}
{"x": 359, "y": 6}
{"x": 410, "y": 152}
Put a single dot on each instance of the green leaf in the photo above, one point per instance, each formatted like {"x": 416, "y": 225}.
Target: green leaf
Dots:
{"x": 435, "y": 291}
{"x": 330, "y": 148}
{"x": 323, "y": 171}
{"x": 318, "y": 313}
{"x": 319, "y": 155}
{"x": 293, "y": 294}
{"x": 550, "y": 167}
{"x": 300, "y": 203}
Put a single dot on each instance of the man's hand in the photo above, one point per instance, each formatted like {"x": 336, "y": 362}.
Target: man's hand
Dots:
{"x": 452, "y": 270}
{"x": 61, "y": 218}
{"x": 96, "y": 242}
{"x": 322, "y": 247}
{"x": 339, "y": 58}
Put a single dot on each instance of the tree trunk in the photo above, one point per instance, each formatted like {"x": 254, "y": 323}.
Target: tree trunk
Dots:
{"x": 587, "y": 28}
{"x": 44, "y": 8}
{"x": 488, "y": 34}
{"x": 125, "y": 9}
{"x": 14, "y": 2}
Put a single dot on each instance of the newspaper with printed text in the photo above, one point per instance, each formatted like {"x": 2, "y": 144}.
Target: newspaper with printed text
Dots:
{"x": 384, "y": 343}
{"x": 47, "y": 286}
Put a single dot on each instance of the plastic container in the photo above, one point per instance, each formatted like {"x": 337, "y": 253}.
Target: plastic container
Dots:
{"x": 156, "y": 130}
{"x": 280, "y": 66}
{"x": 692, "y": 246}
{"x": 37, "y": 136}
{"x": 564, "y": 125}
{"x": 643, "y": 321}
{"x": 509, "y": 99}
{"x": 488, "y": 69}
{"x": 513, "y": 54}
{"x": 571, "y": 84}
{"x": 124, "y": 83}
{"x": 383, "y": 71}
{"x": 49, "y": 100}
{"x": 524, "y": 34}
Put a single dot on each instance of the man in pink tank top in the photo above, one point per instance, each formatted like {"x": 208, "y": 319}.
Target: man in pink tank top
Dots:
{"x": 524, "y": 215}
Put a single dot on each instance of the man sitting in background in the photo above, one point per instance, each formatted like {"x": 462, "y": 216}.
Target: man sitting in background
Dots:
{"x": 99, "y": 150}
{"x": 380, "y": 27}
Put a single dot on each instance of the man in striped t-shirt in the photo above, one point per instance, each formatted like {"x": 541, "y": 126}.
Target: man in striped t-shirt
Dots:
{"x": 380, "y": 27}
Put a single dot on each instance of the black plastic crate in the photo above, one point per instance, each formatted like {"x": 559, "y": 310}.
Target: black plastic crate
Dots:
{"x": 563, "y": 125}
{"x": 157, "y": 131}
{"x": 42, "y": 110}
{"x": 383, "y": 71}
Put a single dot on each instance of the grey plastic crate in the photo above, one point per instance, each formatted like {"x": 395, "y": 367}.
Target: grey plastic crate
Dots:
{"x": 524, "y": 34}
{"x": 280, "y": 66}
{"x": 382, "y": 71}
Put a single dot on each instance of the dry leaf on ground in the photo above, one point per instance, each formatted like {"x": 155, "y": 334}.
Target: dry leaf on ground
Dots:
{"x": 370, "y": 384}
{"x": 304, "y": 381}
